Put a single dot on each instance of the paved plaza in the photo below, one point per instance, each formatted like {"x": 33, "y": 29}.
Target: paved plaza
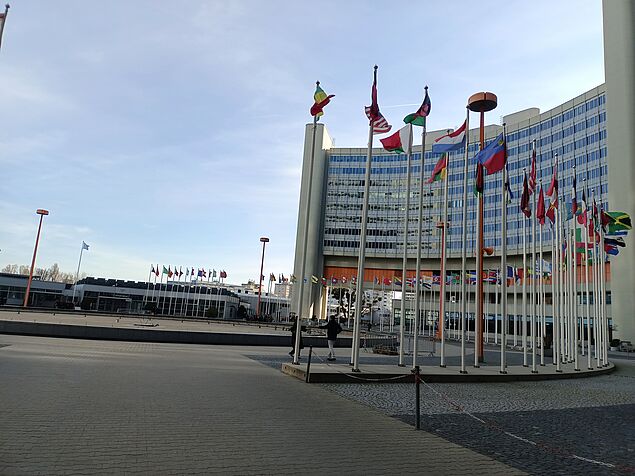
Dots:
{"x": 85, "y": 407}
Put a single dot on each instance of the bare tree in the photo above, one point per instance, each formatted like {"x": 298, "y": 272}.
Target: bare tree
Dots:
{"x": 10, "y": 268}
{"x": 45, "y": 274}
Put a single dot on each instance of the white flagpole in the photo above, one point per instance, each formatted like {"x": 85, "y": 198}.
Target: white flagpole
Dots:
{"x": 362, "y": 245}
{"x": 554, "y": 291}
{"x": 596, "y": 307}
{"x": 145, "y": 297}
{"x": 605, "y": 327}
{"x": 81, "y": 251}
{"x": 558, "y": 302}
{"x": 161, "y": 289}
{"x": 300, "y": 281}
{"x": 586, "y": 284}
{"x": 574, "y": 295}
{"x": 515, "y": 308}
{"x": 524, "y": 291}
{"x": 541, "y": 291}
{"x": 464, "y": 295}
{"x": 503, "y": 272}
{"x": 533, "y": 280}
{"x": 419, "y": 237}
{"x": 187, "y": 295}
{"x": 444, "y": 258}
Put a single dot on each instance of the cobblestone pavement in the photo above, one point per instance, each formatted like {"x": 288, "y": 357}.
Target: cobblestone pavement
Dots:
{"x": 87, "y": 407}
{"x": 547, "y": 427}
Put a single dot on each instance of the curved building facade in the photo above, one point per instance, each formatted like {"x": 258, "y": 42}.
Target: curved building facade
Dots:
{"x": 574, "y": 132}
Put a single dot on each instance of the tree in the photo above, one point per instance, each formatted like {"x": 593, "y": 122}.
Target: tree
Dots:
{"x": 211, "y": 312}
{"x": 10, "y": 268}
{"x": 242, "y": 312}
{"x": 45, "y": 274}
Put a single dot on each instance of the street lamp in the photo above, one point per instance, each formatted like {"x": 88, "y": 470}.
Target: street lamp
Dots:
{"x": 264, "y": 240}
{"x": 42, "y": 213}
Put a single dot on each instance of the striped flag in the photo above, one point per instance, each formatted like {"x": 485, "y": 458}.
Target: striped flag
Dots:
{"x": 3, "y": 19}
{"x": 532, "y": 173}
{"x": 379, "y": 122}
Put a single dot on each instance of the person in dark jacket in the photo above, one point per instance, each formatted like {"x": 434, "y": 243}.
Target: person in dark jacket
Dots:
{"x": 332, "y": 329}
{"x": 293, "y": 330}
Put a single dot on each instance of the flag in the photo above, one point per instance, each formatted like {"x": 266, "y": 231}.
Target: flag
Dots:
{"x": 353, "y": 280}
{"x": 200, "y": 273}
{"x": 324, "y": 281}
{"x": 612, "y": 250}
{"x": 157, "y": 270}
{"x": 387, "y": 282}
{"x": 618, "y": 241}
{"x": 321, "y": 100}
{"x": 540, "y": 208}
{"x": 187, "y": 272}
{"x": 582, "y": 210}
{"x": 510, "y": 275}
{"x": 314, "y": 279}
{"x": 450, "y": 141}
{"x": 510, "y": 195}
{"x": 524, "y": 199}
{"x": 84, "y": 246}
{"x": 553, "y": 187}
{"x": 272, "y": 277}
{"x": 551, "y": 211}
{"x": 344, "y": 279}
{"x": 165, "y": 271}
{"x": 204, "y": 273}
{"x": 532, "y": 173}
{"x": 170, "y": 273}
{"x": 493, "y": 156}
{"x": 153, "y": 270}
{"x": 3, "y": 19}
{"x": 223, "y": 274}
{"x": 419, "y": 118}
{"x": 479, "y": 185}
{"x": 293, "y": 279}
{"x": 213, "y": 273}
{"x": 440, "y": 169}
{"x": 574, "y": 202}
{"x": 399, "y": 142}
{"x": 333, "y": 280}
{"x": 379, "y": 123}
{"x": 397, "y": 281}
{"x": 180, "y": 271}
{"x": 618, "y": 221}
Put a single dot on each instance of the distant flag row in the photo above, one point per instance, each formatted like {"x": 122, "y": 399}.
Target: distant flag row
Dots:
{"x": 200, "y": 272}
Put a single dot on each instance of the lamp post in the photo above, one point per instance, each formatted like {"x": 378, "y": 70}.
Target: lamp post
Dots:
{"x": 264, "y": 240}
{"x": 42, "y": 213}
{"x": 481, "y": 103}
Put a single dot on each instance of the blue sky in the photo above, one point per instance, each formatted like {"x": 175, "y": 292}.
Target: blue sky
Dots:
{"x": 172, "y": 132}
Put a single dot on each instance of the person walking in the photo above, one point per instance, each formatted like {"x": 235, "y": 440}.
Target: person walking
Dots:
{"x": 293, "y": 329}
{"x": 332, "y": 329}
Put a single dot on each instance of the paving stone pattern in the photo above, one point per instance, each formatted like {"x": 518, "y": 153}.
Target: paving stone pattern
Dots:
{"x": 590, "y": 418}
{"x": 91, "y": 407}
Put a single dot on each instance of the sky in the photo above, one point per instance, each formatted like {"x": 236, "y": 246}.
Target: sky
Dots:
{"x": 172, "y": 132}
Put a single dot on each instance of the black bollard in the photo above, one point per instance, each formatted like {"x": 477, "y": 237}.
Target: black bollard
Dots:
{"x": 417, "y": 374}
{"x": 308, "y": 364}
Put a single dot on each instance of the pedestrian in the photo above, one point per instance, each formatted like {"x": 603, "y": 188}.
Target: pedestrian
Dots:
{"x": 332, "y": 329}
{"x": 293, "y": 330}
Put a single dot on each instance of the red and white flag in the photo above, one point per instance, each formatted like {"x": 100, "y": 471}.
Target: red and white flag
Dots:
{"x": 379, "y": 122}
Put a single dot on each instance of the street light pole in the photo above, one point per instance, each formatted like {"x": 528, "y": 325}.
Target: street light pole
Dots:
{"x": 264, "y": 241}
{"x": 42, "y": 213}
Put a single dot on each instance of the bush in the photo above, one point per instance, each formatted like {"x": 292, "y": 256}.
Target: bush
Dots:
{"x": 211, "y": 313}
{"x": 614, "y": 343}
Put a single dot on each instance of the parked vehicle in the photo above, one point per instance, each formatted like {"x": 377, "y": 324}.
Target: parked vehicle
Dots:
{"x": 626, "y": 346}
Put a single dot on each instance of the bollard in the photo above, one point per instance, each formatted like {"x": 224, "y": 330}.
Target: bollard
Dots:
{"x": 417, "y": 374}
{"x": 308, "y": 364}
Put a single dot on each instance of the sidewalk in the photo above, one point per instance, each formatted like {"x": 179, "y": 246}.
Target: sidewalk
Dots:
{"x": 76, "y": 407}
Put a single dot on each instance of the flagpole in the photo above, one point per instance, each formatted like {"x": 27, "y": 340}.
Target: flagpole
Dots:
{"x": 160, "y": 289}
{"x": 605, "y": 327}
{"x": 81, "y": 251}
{"x": 558, "y": 229}
{"x": 504, "y": 263}
{"x": 586, "y": 284}
{"x": 534, "y": 328}
{"x": 524, "y": 291}
{"x": 541, "y": 293}
{"x": 464, "y": 245}
{"x": 187, "y": 295}
{"x": 154, "y": 285}
{"x": 443, "y": 258}
{"x": 362, "y": 243}
{"x": 419, "y": 236}
{"x": 145, "y": 297}
{"x": 298, "y": 334}
{"x": 596, "y": 307}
